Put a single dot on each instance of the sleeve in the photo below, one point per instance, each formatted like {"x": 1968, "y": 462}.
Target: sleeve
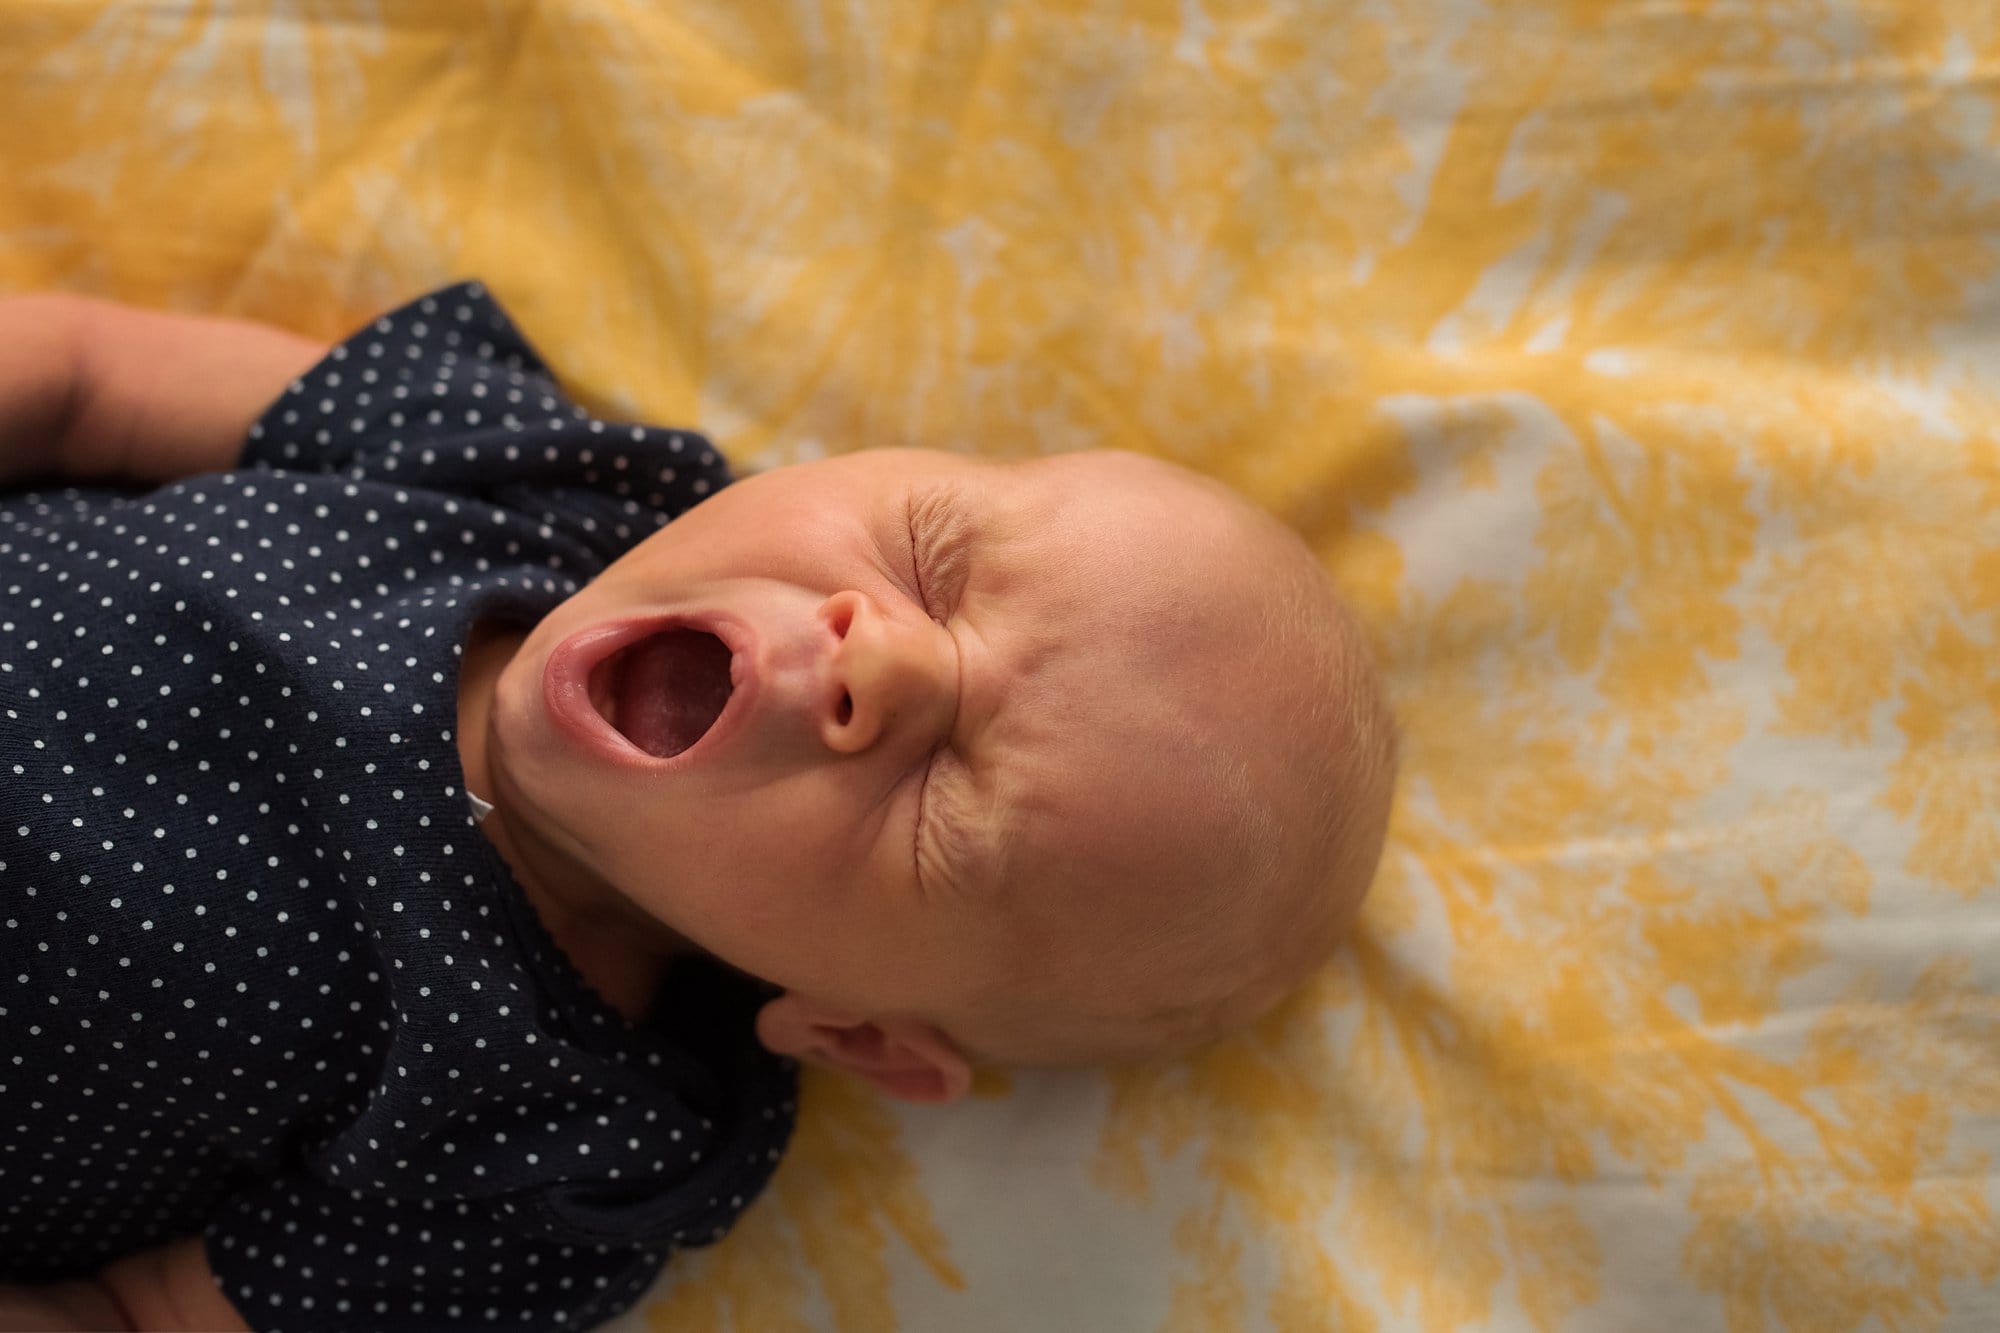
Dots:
{"x": 444, "y": 393}
{"x": 309, "y": 1257}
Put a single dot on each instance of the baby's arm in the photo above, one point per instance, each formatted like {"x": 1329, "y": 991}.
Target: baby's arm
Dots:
{"x": 172, "y": 1290}
{"x": 166, "y": 1290}
{"x": 95, "y": 391}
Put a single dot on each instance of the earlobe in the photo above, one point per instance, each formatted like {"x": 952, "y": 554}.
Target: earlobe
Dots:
{"x": 784, "y": 1027}
{"x": 903, "y": 1057}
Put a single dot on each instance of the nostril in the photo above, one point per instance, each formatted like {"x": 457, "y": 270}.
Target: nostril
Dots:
{"x": 845, "y": 712}
{"x": 842, "y": 617}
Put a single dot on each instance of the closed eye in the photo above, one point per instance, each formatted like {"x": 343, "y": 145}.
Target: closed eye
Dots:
{"x": 937, "y": 548}
{"x": 927, "y": 880}
{"x": 935, "y": 846}
{"x": 937, "y": 568}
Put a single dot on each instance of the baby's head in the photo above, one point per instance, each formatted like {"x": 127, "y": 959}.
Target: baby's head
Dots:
{"x": 1054, "y": 761}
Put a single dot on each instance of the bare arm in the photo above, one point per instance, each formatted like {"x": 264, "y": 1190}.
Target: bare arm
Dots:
{"x": 172, "y": 1290}
{"x": 165, "y": 1290}
{"x": 95, "y": 391}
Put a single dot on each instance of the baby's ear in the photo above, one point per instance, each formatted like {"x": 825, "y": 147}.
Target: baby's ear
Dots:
{"x": 904, "y": 1057}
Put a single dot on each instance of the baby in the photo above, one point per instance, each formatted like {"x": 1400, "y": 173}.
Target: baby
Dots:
{"x": 424, "y": 863}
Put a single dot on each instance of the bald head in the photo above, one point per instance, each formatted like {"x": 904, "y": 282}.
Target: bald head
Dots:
{"x": 1116, "y": 777}
{"x": 1221, "y": 838}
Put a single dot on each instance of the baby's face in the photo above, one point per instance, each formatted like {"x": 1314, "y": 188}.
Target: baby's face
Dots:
{"x": 945, "y": 717}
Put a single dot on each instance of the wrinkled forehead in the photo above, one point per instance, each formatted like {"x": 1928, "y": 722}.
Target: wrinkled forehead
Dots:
{"x": 1136, "y": 842}
{"x": 1137, "y": 632}
{"x": 1118, "y": 513}
{"x": 1115, "y": 550}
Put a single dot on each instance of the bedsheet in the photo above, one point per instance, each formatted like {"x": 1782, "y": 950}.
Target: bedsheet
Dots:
{"x": 1634, "y": 366}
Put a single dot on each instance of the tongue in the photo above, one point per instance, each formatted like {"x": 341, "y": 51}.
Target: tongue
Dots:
{"x": 671, "y": 690}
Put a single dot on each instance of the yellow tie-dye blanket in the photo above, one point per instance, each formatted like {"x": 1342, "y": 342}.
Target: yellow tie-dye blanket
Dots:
{"x": 1636, "y": 368}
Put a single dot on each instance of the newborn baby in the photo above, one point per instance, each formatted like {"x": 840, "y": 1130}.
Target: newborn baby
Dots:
{"x": 901, "y": 761}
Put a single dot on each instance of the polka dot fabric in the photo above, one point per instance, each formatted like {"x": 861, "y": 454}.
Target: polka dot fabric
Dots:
{"x": 263, "y": 978}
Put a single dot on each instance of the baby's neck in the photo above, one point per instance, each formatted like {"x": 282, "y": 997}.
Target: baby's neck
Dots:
{"x": 619, "y": 950}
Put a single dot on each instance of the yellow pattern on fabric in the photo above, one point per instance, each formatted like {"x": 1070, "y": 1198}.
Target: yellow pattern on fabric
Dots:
{"x": 844, "y": 1190}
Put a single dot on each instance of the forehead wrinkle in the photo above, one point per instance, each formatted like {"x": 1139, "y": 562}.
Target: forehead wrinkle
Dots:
{"x": 1045, "y": 789}
{"x": 1006, "y": 795}
{"x": 1013, "y": 645}
{"x": 1059, "y": 602}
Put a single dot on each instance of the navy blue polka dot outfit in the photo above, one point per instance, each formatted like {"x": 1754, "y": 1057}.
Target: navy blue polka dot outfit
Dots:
{"x": 261, "y": 978}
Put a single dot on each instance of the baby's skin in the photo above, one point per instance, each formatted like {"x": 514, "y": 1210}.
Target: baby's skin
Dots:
{"x": 1046, "y": 761}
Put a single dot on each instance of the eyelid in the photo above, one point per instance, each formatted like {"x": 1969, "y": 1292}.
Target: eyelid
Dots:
{"x": 925, "y": 822}
{"x": 930, "y": 839}
{"x": 937, "y": 548}
{"x": 911, "y": 524}
{"x": 937, "y": 564}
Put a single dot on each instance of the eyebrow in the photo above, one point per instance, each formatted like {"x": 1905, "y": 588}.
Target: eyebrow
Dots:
{"x": 939, "y": 535}
{"x": 969, "y": 857}
{"x": 944, "y": 531}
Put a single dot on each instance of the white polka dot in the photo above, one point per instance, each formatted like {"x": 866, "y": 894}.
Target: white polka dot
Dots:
{"x": 251, "y": 912}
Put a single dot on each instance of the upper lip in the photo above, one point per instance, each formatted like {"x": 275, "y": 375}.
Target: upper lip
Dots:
{"x": 569, "y": 670}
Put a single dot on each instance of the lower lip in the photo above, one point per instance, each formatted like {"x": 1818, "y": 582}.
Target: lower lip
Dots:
{"x": 566, "y": 691}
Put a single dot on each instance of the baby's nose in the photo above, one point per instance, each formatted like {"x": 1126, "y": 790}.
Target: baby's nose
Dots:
{"x": 888, "y": 677}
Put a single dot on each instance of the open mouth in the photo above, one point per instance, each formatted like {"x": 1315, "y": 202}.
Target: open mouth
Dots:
{"x": 665, "y": 691}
